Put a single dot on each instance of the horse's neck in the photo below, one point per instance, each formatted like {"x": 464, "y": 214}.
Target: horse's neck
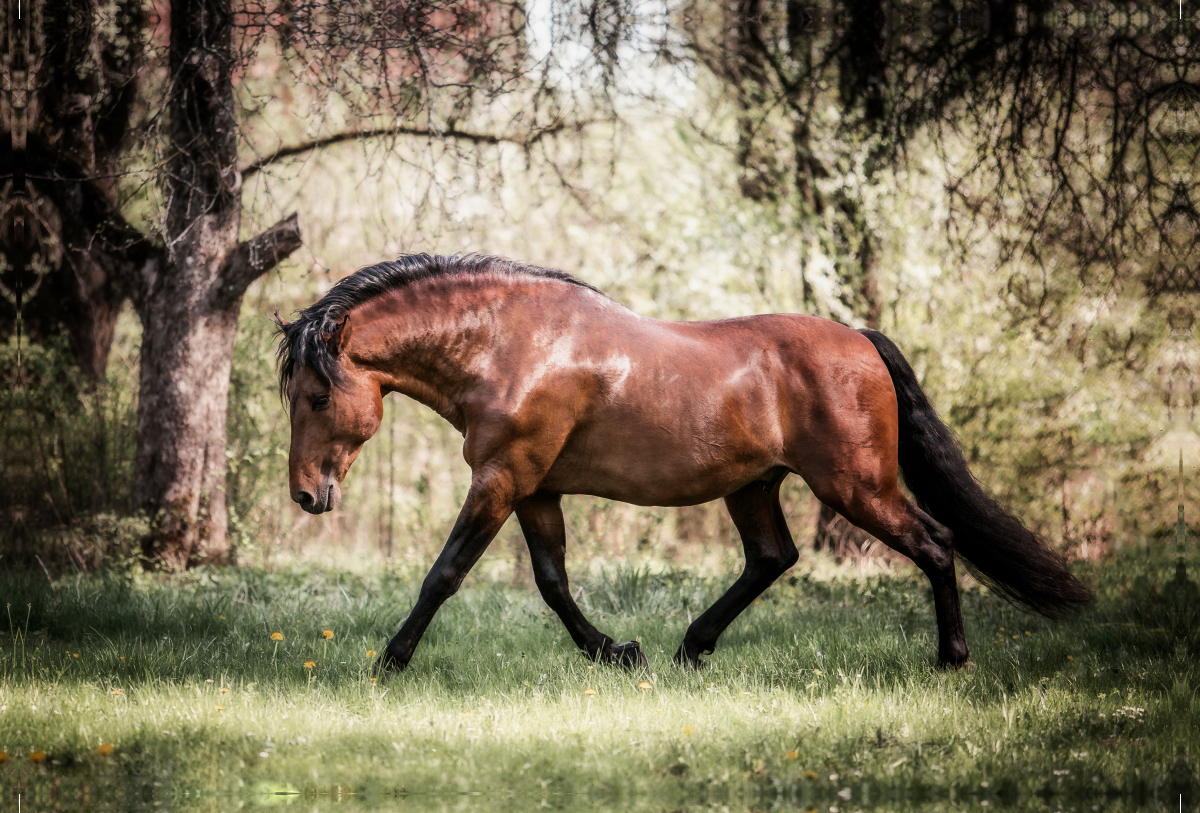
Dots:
{"x": 437, "y": 350}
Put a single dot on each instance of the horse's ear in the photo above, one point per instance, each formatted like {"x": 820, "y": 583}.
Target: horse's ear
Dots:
{"x": 339, "y": 339}
{"x": 280, "y": 322}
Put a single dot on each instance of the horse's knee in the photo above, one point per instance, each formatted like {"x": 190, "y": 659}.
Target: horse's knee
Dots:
{"x": 441, "y": 584}
{"x": 549, "y": 582}
{"x": 778, "y": 562}
{"x": 767, "y": 568}
{"x": 790, "y": 557}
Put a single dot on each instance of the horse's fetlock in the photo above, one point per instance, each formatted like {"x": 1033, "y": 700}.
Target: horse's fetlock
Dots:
{"x": 395, "y": 659}
{"x": 697, "y": 648}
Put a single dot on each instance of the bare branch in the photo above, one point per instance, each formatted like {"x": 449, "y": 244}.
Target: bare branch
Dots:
{"x": 383, "y": 132}
{"x": 255, "y": 257}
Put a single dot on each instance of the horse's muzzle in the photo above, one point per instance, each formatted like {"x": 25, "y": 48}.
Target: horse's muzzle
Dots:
{"x": 306, "y": 501}
{"x": 327, "y": 499}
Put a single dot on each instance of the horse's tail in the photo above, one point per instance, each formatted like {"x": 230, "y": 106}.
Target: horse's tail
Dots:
{"x": 997, "y": 547}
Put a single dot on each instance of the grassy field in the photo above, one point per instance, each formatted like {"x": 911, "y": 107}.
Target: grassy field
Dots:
{"x": 125, "y": 691}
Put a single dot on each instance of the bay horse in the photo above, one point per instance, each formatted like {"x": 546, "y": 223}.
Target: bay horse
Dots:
{"x": 558, "y": 389}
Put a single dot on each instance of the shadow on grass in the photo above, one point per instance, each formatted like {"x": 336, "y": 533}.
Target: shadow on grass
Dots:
{"x": 822, "y": 695}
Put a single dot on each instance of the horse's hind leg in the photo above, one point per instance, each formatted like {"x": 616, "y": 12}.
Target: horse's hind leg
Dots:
{"x": 888, "y": 515}
{"x": 769, "y": 553}
{"x": 542, "y": 523}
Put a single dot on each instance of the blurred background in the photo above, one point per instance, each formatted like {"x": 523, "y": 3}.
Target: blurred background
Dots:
{"x": 1007, "y": 190}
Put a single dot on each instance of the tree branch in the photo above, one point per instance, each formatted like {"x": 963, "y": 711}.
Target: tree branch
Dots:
{"x": 255, "y": 257}
{"x": 381, "y": 132}
{"x": 92, "y": 220}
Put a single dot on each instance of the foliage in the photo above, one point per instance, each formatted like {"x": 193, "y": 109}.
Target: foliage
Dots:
{"x": 1079, "y": 122}
{"x": 1074, "y": 399}
{"x": 824, "y": 687}
{"x": 1063, "y": 418}
{"x": 68, "y": 457}
{"x": 256, "y": 439}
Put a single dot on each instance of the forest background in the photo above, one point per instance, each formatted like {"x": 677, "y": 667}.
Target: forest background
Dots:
{"x": 1003, "y": 189}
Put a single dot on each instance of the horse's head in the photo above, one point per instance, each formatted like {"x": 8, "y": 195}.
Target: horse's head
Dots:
{"x": 335, "y": 408}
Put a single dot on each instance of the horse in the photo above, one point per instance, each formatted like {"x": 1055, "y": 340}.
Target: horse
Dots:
{"x": 558, "y": 389}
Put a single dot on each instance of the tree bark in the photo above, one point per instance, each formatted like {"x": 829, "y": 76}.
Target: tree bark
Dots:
{"x": 189, "y": 308}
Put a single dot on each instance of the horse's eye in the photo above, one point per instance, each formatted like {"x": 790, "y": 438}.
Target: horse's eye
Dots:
{"x": 320, "y": 402}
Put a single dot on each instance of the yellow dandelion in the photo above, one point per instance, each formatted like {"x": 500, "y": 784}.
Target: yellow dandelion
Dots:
{"x": 276, "y": 636}
{"x": 687, "y": 729}
{"x": 590, "y": 692}
{"x": 105, "y": 749}
{"x": 645, "y": 685}
{"x": 219, "y": 708}
{"x": 122, "y": 657}
{"x": 1070, "y": 658}
{"x": 810, "y": 775}
{"x": 3, "y": 757}
{"x": 327, "y": 634}
{"x": 117, "y": 692}
{"x": 370, "y": 653}
{"x": 374, "y": 679}
{"x": 37, "y": 756}
{"x": 222, "y": 617}
{"x": 309, "y": 664}
{"x": 74, "y": 654}
{"x": 792, "y": 755}
{"x": 224, "y": 690}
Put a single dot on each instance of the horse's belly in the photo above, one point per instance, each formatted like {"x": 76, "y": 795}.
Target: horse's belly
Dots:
{"x": 655, "y": 468}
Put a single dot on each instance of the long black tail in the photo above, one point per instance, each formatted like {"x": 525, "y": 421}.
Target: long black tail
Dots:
{"x": 999, "y": 550}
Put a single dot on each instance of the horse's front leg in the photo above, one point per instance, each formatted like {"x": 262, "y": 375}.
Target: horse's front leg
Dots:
{"x": 542, "y": 523}
{"x": 489, "y": 503}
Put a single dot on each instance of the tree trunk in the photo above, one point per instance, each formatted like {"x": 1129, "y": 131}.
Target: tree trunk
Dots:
{"x": 189, "y": 327}
{"x": 63, "y": 122}
{"x": 189, "y": 308}
{"x": 180, "y": 466}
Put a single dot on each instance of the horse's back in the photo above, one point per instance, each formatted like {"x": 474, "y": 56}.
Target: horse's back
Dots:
{"x": 686, "y": 412}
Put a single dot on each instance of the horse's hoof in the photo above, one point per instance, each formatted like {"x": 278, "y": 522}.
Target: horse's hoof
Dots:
{"x": 628, "y": 655}
{"x": 957, "y": 667}
{"x": 387, "y": 666}
{"x": 683, "y": 658}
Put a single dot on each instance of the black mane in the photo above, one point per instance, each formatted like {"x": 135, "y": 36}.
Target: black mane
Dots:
{"x": 301, "y": 341}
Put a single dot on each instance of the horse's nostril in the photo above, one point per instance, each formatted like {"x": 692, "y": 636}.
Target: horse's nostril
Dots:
{"x": 306, "y": 500}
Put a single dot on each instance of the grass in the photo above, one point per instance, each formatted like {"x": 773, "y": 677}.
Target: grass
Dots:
{"x": 822, "y": 694}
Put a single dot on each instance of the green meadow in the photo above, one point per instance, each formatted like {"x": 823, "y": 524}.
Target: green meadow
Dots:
{"x": 123, "y": 691}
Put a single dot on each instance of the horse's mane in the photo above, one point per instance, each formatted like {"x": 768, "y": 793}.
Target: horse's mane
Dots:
{"x": 301, "y": 341}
